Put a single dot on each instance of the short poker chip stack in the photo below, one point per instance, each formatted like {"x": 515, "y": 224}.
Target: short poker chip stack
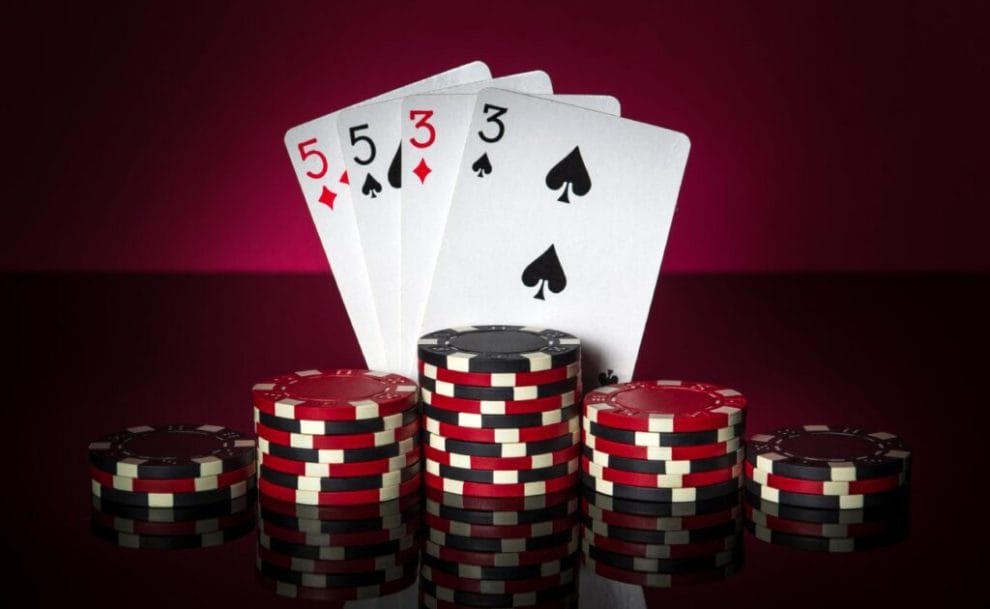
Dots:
{"x": 172, "y": 486}
{"x": 339, "y": 480}
{"x": 501, "y": 425}
{"x": 827, "y": 488}
{"x": 661, "y": 468}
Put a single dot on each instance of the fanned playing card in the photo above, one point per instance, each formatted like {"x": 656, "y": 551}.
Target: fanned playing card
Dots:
{"x": 559, "y": 218}
{"x": 318, "y": 163}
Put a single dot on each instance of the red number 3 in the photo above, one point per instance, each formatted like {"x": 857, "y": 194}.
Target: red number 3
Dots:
{"x": 423, "y": 123}
{"x": 305, "y": 154}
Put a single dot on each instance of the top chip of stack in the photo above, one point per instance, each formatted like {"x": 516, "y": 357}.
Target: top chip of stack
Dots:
{"x": 501, "y": 411}
{"x": 337, "y": 437}
{"x": 661, "y": 466}
{"x": 827, "y": 488}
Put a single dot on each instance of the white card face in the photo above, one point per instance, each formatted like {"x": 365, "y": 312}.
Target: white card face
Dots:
{"x": 559, "y": 219}
{"x": 370, "y": 136}
{"x": 425, "y": 202}
{"x": 318, "y": 163}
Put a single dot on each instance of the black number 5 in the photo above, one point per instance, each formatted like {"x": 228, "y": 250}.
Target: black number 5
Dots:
{"x": 355, "y": 138}
{"x": 498, "y": 111}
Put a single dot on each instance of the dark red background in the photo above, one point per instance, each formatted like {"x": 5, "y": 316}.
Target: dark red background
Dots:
{"x": 827, "y": 136}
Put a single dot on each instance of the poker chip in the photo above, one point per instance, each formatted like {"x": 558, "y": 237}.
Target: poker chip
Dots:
{"x": 325, "y": 484}
{"x": 660, "y": 580}
{"x": 827, "y": 544}
{"x": 341, "y": 512}
{"x": 862, "y": 486}
{"x": 510, "y": 572}
{"x": 665, "y": 406}
{"x": 499, "y": 559}
{"x": 502, "y": 450}
{"x": 672, "y": 495}
{"x": 337, "y": 580}
{"x": 499, "y": 379}
{"x": 827, "y": 502}
{"x": 534, "y": 529}
{"x": 525, "y": 392}
{"x": 501, "y": 436}
{"x": 662, "y": 453}
{"x": 274, "y": 531}
{"x": 154, "y": 515}
{"x": 495, "y": 504}
{"x": 662, "y": 551}
{"x": 503, "y": 545}
{"x": 357, "y": 565}
{"x": 475, "y": 599}
{"x": 387, "y": 493}
{"x": 332, "y": 526}
{"x": 499, "y": 349}
{"x": 821, "y": 452}
{"x": 540, "y": 487}
{"x": 167, "y": 500}
{"x": 339, "y": 470}
{"x": 896, "y": 511}
{"x": 171, "y": 485}
{"x": 665, "y": 439}
{"x": 172, "y": 451}
{"x": 497, "y": 586}
{"x": 661, "y": 509}
{"x": 335, "y": 395}
{"x": 661, "y": 523}
{"x": 814, "y": 529}
{"x": 502, "y": 476}
{"x": 336, "y": 595}
{"x": 350, "y": 552}
{"x": 348, "y": 441}
{"x": 669, "y": 538}
{"x": 338, "y": 456}
{"x": 500, "y": 518}
{"x": 569, "y": 601}
{"x": 330, "y": 428}
{"x": 499, "y": 407}
{"x": 201, "y": 526}
{"x": 500, "y": 421}
{"x": 688, "y": 564}
{"x": 171, "y": 542}
{"x": 496, "y": 463}
{"x": 661, "y": 481}
{"x": 659, "y": 466}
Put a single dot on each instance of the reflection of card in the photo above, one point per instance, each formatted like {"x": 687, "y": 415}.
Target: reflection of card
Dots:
{"x": 426, "y": 200}
{"x": 370, "y": 136}
{"x": 318, "y": 163}
{"x": 559, "y": 218}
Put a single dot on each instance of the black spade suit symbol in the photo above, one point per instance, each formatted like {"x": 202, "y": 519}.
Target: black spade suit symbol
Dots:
{"x": 482, "y": 166}
{"x": 547, "y": 272}
{"x": 395, "y": 169}
{"x": 571, "y": 174}
{"x": 371, "y": 187}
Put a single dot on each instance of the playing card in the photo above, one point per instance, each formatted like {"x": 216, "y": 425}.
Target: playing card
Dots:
{"x": 318, "y": 163}
{"x": 559, "y": 219}
{"x": 436, "y": 150}
{"x": 370, "y": 137}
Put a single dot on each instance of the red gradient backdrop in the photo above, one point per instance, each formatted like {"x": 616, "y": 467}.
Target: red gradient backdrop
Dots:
{"x": 827, "y": 136}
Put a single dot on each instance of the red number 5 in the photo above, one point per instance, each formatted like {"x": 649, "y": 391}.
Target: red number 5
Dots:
{"x": 423, "y": 123}
{"x": 305, "y": 154}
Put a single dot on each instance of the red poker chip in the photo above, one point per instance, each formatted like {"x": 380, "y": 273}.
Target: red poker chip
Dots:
{"x": 499, "y": 504}
{"x": 502, "y": 463}
{"x": 480, "y": 489}
{"x": 661, "y": 523}
{"x": 659, "y": 580}
{"x": 499, "y": 407}
{"x": 499, "y": 379}
{"x": 662, "y": 551}
{"x": 660, "y": 480}
{"x": 865, "y": 486}
{"x": 660, "y": 453}
{"x": 337, "y": 498}
{"x": 501, "y": 436}
{"x": 497, "y": 586}
{"x": 665, "y": 406}
{"x": 347, "y": 441}
{"x": 500, "y": 559}
{"x": 340, "y": 470}
{"x": 335, "y": 395}
{"x": 356, "y": 565}
{"x": 171, "y": 485}
{"x": 467, "y": 529}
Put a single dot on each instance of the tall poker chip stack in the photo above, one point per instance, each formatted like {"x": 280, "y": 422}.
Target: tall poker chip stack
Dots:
{"x": 827, "y": 488}
{"x": 172, "y": 486}
{"x": 661, "y": 468}
{"x": 501, "y": 419}
{"x": 339, "y": 483}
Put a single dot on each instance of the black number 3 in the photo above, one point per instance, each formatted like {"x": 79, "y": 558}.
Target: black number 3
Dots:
{"x": 498, "y": 111}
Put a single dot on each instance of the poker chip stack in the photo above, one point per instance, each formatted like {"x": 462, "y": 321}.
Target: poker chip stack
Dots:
{"x": 172, "y": 486}
{"x": 501, "y": 419}
{"x": 661, "y": 468}
{"x": 339, "y": 479}
{"x": 831, "y": 489}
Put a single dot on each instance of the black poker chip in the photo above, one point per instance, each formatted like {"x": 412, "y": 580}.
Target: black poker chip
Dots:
{"x": 497, "y": 348}
{"x": 659, "y": 466}
{"x": 675, "y": 495}
{"x": 331, "y": 484}
{"x": 508, "y": 545}
{"x": 897, "y": 510}
{"x": 664, "y": 565}
{"x": 472, "y": 392}
{"x": 337, "y": 580}
{"x": 828, "y": 544}
{"x": 488, "y": 476}
{"x": 502, "y": 421}
{"x": 173, "y": 500}
{"x": 507, "y": 517}
{"x": 171, "y": 542}
{"x": 331, "y": 428}
{"x": 509, "y": 572}
{"x": 176, "y": 514}
{"x": 657, "y": 438}
{"x": 889, "y": 498}
{"x": 356, "y": 525}
{"x": 477, "y": 599}
{"x": 366, "y": 550}
{"x": 486, "y": 449}
{"x": 660, "y": 537}
{"x": 661, "y": 508}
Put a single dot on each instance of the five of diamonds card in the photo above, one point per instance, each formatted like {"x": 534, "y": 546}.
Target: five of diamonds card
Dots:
{"x": 465, "y": 199}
